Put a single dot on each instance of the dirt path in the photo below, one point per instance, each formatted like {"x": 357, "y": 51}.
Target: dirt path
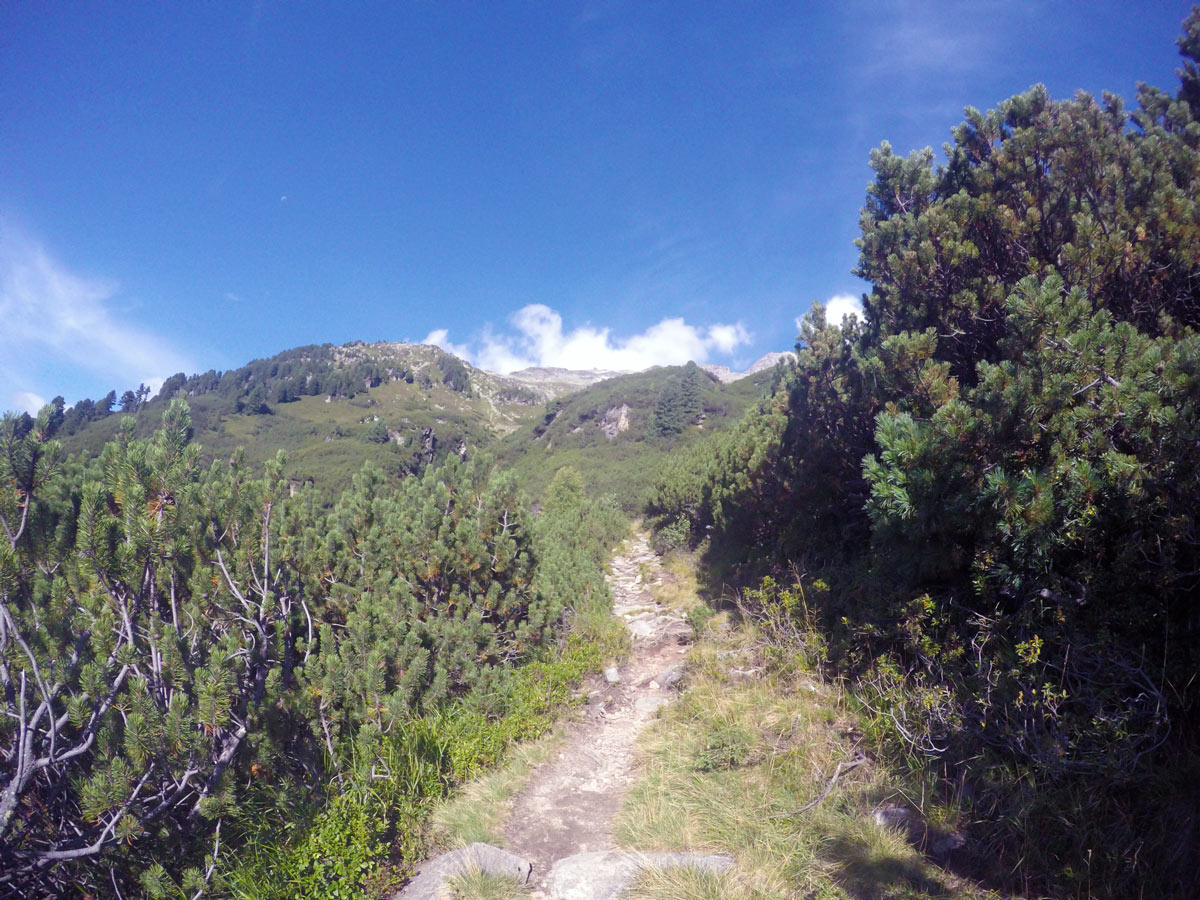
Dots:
{"x": 572, "y": 799}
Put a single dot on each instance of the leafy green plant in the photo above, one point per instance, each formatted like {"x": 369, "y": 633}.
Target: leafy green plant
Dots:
{"x": 725, "y": 747}
{"x": 699, "y": 616}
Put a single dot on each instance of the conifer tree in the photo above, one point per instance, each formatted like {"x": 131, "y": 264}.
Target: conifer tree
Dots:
{"x": 145, "y": 622}
{"x": 998, "y": 463}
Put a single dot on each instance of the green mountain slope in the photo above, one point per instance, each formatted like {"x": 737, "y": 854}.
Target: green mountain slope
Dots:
{"x": 404, "y": 406}
{"x": 614, "y": 432}
{"x": 333, "y": 408}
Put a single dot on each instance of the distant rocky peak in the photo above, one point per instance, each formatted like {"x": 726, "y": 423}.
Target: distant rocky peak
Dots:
{"x": 726, "y": 375}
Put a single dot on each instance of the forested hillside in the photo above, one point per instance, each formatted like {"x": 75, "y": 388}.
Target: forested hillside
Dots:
{"x": 986, "y": 488}
{"x": 401, "y": 406}
{"x": 206, "y": 648}
{"x": 199, "y": 661}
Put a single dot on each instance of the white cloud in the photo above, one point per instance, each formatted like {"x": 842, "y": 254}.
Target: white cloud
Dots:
{"x": 726, "y": 338}
{"x": 26, "y": 401}
{"x": 536, "y": 338}
{"x": 441, "y": 338}
{"x": 58, "y": 322}
{"x": 839, "y": 306}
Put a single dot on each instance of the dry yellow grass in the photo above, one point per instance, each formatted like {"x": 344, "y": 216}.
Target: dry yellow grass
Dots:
{"x": 679, "y": 590}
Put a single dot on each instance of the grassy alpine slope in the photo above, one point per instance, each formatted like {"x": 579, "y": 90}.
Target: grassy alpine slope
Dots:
{"x": 332, "y": 409}
{"x": 764, "y": 760}
{"x": 402, "y": 407}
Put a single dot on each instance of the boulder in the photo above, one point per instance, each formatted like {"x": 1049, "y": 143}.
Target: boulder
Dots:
{"x": 650, "y": 703}
{"x": 430, "y": 881}
{"x": 671, "y": 676}
{"x": 642, "y": 628}
{"x": 937, "y": 843}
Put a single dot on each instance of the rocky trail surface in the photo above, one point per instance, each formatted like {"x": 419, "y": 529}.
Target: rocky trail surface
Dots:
{"x": 559, "y": 831}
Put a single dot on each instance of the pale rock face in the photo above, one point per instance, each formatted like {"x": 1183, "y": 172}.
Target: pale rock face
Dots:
{"x": 615, "y": 421}
{"x": 768, "y": 361}
{"x": 580, "y": 377}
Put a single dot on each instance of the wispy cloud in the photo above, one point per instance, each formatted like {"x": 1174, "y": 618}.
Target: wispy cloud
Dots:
{"x": 441, "y": 338}
{"x": 910, "y": 39}
{"x": 608, "y": 36}
{"x": 60, "y": 325}
{"x": 535, "y": 337}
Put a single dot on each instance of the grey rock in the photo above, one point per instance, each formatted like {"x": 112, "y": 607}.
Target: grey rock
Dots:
{"x": 929, "y": 839}
{"x": 433, "y": 874}
{"x": 605, "y": 874}
{"x": 725, "y": 375}
{"x": 671, "y": 676}
{"x": 642, "y": 628}
{"x": 892, "y": 815}
{"x": 612, "y": 675}
{"x": 614, "y": 421}
{"x": 942, "y": 843}
{"x": 650, "y": 703}
{"x": 678, "y": 629}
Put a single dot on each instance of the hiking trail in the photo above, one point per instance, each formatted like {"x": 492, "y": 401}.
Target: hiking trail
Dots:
{"x": 559, "y": 828}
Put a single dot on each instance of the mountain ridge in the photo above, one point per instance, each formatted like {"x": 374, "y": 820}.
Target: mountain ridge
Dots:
{"x": 404, "y": 406}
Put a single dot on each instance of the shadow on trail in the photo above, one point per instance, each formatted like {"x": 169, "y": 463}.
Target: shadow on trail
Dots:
{"x": 866, "y": 873}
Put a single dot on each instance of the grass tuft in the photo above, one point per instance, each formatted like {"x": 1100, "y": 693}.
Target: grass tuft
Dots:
{"x": 684, "y": 883}
{"x": 678, "y": 589}
{"x": 476, "y": 885}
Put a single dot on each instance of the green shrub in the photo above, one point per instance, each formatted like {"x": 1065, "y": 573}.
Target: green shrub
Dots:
{"x": 726, "y": 747}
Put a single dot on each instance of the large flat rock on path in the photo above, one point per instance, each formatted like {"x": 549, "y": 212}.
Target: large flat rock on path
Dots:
{"x": 606, "y": 874}
{"x": 430, "y": 881}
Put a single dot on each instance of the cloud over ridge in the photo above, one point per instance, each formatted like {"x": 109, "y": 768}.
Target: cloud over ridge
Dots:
{"x": 535, "y": 337}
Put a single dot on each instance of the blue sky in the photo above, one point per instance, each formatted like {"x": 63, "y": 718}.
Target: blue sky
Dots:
{"x": 192, "y": 186}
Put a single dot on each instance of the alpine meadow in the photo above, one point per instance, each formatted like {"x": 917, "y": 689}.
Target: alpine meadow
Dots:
{"x": 919, "y": 602}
